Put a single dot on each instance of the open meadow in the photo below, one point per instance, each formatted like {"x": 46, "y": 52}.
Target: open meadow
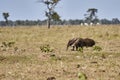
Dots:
{"x": 38, "y": 53}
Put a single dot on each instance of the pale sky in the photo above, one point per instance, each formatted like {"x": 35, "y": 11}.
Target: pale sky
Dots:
{"x": 67, "y": 9}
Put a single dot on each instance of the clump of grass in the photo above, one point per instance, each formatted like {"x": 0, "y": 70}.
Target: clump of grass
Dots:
{"x": 80, "y": 49}
{"x": 82, "y": 76}
{"x": 2, "y": 58}
{"x": 115, "y": 35}
{"x": 51, "y": 78}
{"x": 54, "y": 57}
{"x": 6, "y": 45}
{"x": 46, "y": 48}
{"x": 15, "y": 48}
{"x": 97, "y": 48}
{"x": 78, "y": 65}
{"x": 2, "y": 76}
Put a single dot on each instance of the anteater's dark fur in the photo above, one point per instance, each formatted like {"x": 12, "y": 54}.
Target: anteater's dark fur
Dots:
{"x": 79, "y": 42}
{"x": 89, "y": 42}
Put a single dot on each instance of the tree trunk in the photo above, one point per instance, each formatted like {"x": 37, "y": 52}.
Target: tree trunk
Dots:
{"x": 6, "y": 21}
{"x": 48, "y": 23}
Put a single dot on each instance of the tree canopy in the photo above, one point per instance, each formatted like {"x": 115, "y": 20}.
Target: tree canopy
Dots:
{"x": 6, "y": 15}
{"x": 50, "y": 13}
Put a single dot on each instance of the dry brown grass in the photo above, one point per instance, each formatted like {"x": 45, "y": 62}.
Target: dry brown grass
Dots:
{"x": 25, "y": 61}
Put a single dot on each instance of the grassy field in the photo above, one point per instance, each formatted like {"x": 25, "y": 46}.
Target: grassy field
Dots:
{"x": 21, "y": 57}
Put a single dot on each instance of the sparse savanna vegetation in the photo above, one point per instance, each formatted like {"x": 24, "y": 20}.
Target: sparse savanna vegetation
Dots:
{"x": 38, "y": 53}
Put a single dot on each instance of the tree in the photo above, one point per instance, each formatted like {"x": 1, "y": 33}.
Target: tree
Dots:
{"x": 92, "y": 12}
{"x": 91, "y": 16}
{"x": 50, "y": 13}
{"x": 115, "y": 21}
{"x": 6, "y": 15}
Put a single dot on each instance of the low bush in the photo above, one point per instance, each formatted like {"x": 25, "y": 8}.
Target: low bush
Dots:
{"x": 97, "y": 48}
{"x": 46, "y": 48}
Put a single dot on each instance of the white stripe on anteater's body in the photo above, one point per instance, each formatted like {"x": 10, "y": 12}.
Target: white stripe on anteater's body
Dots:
{"x": 76, "y": 43}
{"x": 71, "y": 42}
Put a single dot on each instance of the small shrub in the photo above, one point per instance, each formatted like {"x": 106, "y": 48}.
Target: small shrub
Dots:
{"x": 46, "y": 48}
{"x": 51, "y": 78}
{"x": 53, "y": 57}
{"x": 15, "y": 48}
{"x": 10, "y": 44}
{"x": 2, "y": 58}
{"x": 6, "y": 45}
{"x": 97, "y": 48}
{"x": 115, "y": 35}
{"x": 78, "y": 65}
{"x": 2, "y": 76}
{"x": 80, "y": 49}
{"x": 82, "y": 76}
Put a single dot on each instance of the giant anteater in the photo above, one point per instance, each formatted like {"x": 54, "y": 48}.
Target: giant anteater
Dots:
{"x": 79, "y": 42}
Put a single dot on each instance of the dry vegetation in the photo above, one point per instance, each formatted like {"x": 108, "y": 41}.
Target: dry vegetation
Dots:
{"x": 22, "y": 59}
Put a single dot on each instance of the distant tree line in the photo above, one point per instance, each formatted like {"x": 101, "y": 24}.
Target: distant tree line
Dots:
{"x": 53, "y": 18}
{"x": 61, "y": 22}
